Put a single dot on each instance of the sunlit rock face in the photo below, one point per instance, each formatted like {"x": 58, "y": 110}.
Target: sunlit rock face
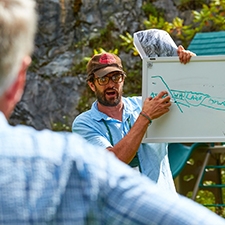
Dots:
{"x": 53, "y": 88}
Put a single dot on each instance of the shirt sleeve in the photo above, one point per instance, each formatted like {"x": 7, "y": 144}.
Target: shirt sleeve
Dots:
{"x": 130, "y": 198}
{"x": 91, "y": 133}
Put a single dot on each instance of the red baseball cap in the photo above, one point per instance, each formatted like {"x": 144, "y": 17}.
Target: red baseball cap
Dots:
{"x": 104, "y": 63}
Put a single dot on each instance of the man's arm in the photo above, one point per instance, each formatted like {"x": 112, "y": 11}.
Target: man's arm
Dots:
{"x": 126, "y": 149}
{"x": 136, "y": 200}
{"x": 130, "y": 198}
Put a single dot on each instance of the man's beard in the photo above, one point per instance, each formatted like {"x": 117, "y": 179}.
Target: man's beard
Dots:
{"x": 101, "y": 97}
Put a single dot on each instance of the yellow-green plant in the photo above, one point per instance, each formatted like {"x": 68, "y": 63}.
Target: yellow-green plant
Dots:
{"x": 210, "y": 18}
{"x": 101, "y": 50}
{"x": 127, "y": 42}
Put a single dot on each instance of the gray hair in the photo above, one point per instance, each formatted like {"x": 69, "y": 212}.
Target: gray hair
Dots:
{"x": 18, "y": 20}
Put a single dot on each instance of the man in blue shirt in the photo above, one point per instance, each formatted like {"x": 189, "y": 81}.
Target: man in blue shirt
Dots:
{"x": 119, "y": 124}
{"x": 60, "y": 178}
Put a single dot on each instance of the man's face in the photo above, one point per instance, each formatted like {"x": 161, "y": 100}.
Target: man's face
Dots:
{"x": 108, "y": 89}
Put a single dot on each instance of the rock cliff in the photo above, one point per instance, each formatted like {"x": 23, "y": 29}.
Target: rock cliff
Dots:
{"x": 53, "y": 87}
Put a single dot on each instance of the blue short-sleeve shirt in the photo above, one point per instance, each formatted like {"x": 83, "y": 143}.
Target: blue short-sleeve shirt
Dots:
{"x": 153, "y": 157}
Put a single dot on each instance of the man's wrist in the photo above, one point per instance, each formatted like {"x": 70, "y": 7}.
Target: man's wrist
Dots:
{"x": 144, "y": 114}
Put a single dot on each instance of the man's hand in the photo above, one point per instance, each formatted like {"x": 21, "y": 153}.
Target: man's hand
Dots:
{"x": 157, "y": 106}
{"x": 184, "y": 55}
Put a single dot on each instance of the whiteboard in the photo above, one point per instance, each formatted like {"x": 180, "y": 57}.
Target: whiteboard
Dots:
{"x": 198, "y": 89}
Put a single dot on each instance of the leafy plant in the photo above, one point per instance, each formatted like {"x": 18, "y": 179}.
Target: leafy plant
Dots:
{"x": 127, "y": 42}
{"x": 190, "y": 4}
{"x": 148, "y": 9}
{"x": 210, "y": 18}
{"x": 103, "y": 37}
{"x": 158, "y": 23}
{"x": 63, "y": 125}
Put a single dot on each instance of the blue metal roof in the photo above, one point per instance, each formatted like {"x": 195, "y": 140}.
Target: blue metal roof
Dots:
{"x": 210, "y": 43}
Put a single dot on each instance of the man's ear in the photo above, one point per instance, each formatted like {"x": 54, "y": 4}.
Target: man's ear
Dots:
{"x": 14, "y": 93}
{"x": 91, "y": 85}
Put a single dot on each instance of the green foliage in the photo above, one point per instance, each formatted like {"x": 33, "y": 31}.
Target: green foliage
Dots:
{"x": 150, "y": 9}
{"x": 78, "y": 68}
{"x": 204, "y": 197}
{"x": 63, "y": 125}
{"x": 207, "y": 196}
{"x": 103, "y": 37}
{"x": 133, "y": 82}
{"x": 210, "y": 18}
{"x": 86, "y": 100}
{"x": 127, "y": 42}
{"x": 190, "y": 4}
{"x": 158, "y": 23}
{"x": 101, "y": 50}
{"x": 207, "y": 199}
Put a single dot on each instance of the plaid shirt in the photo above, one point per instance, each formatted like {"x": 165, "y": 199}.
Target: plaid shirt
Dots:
{"x": 54, "y": 178}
